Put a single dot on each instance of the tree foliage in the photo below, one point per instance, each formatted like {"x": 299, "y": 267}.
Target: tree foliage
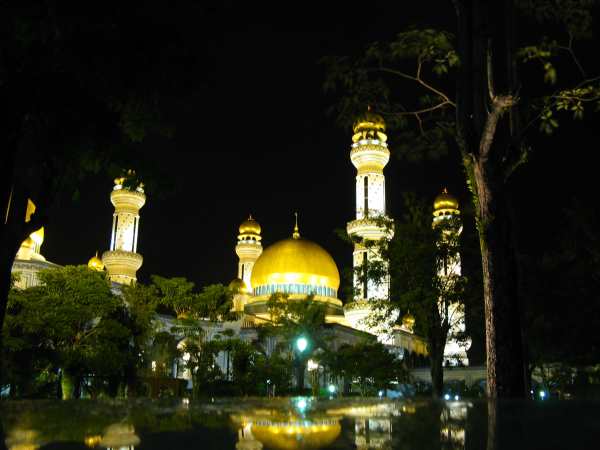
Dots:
{"x": 73, "y": 326}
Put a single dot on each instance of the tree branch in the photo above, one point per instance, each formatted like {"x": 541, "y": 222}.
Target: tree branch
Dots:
{"x": 419, "y": 80}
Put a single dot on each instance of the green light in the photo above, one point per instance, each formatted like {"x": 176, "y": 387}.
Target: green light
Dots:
{"x": 301, "y": 344}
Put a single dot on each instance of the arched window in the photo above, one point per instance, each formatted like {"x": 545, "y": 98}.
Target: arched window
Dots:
{"x": 366, "y": 195}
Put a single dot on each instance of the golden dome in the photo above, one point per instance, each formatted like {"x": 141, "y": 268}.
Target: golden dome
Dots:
{"x": 238, "y": 286}
{"x": 96, "y": 263}
{"x": 408, "y": 321}
{"x": 295, "y": 265}
{"x": 250, "y": 226}
{"x": 445, "y": 201}
{"x": 369, "y": 121}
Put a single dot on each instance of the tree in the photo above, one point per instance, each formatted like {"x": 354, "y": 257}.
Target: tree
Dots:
{"x": 416, "y": 261}
{"x": 370, "y": 364}
{"x": 141, "y": 302}
{"x": 73, "y": 319}
{"x": 485, "y": 118}
{"x": 293, "y": 319}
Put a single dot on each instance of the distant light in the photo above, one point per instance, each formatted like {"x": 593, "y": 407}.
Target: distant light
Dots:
{"x": 268, "y": 381}
{"x": 301, "y": 344}
{"x": 301, "y": 404}
{"x": 447, "y": 397}
{"x": 456, "y": 397}
{"x": 531, "y": 391}
{"x": 380, "y": 393}
{"x": 542, "y": 395}
{"x": 331, "y": 388}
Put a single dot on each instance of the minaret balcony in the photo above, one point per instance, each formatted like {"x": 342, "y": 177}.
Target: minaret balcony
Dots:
{"x": 125, "y": 200}
{"x": 367, "y": 155}
{"x": 370, "y": 229}
{"x": 248, "y": 249}
{"x": 119, "y": 262}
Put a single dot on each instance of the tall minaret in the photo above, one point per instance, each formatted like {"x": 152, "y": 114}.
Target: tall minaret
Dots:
{"x": 248, "y": 249}
{"x": 122, "y": 260}
{"x": 369, "y": 154}
{"x": 446, "y": 217}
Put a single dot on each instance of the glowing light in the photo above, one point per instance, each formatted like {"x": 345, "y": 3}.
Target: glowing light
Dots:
{"x": 301, "y": 344}
{"x": 447, "y": 397}
{"x": 456, "y": 397}
{"x": 542, "y": 394}
{"x": 380, "y": 393}
{"x": 331, "y": 388}
{"x": 312, "y": 365}
{"x": 301, "y": 404}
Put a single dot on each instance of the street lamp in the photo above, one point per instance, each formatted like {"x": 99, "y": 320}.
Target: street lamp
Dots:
{"x": 301, "y": 344}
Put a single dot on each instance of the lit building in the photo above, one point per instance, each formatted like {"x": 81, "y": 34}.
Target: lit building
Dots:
{"x": 446, "y": 217}
{"x": 29, "y": 260}
{"x": 122, "y": 260}
{"x": 369, "y": 154}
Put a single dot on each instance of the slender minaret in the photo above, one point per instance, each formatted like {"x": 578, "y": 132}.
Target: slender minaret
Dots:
{"x": 446, "y": 217}
{"x": 248, "y": 249}
{"x": 122, "y": 260}
{"x": 369, "y": 154}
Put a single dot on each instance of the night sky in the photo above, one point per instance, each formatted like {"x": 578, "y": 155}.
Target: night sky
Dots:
{"x": 253, "y": 136}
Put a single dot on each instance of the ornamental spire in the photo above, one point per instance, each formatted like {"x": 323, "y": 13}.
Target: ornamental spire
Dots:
{"x": 296, "y": 234}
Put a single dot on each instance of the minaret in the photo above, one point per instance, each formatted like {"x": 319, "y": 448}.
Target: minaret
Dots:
{"x": 446, "y": 217}
{"x": 122, "y": 260}
{"x": 248, "y": 249}
{"x": 369, "y": 154}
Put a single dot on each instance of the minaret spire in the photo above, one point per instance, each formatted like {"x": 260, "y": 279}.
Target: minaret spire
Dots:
{"x": 296, "y": 234}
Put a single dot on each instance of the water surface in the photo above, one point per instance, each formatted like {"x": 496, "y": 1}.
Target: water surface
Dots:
{"x": 299, "y": 423}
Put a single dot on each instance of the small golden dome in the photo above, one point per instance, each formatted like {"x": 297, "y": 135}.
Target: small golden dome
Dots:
{"x": 96, "y": 263}
{"x": 408, "y": 321}
{"x": 238, "y": 286}
{"x": 250, "y": 226}
{"x": 445, "y": 201}
{"x": 369, "y": 121}
{"x": 295, "y": 261}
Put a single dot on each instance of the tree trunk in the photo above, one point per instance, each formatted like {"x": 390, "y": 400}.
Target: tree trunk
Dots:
{"x": 437, "y": 374}
{"x": 505, "y": 364}
{"x": 487, "y": 126}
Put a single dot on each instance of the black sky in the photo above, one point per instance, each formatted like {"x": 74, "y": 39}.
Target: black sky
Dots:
{"x": 253, "y": 136}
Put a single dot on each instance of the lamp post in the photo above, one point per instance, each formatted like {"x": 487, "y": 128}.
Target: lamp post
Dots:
{"x": 301, "y": 345}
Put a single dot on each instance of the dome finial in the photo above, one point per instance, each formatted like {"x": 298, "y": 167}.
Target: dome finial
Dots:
{"x": 296, "y": 234}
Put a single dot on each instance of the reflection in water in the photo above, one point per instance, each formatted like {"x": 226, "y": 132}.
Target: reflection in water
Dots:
{"x": 364, "y": 424}
{"x": 20, "y": 439}
{"x": 452, "y": 430}
{"x": 286, "y": 429}
{"x": 119, "y": 436}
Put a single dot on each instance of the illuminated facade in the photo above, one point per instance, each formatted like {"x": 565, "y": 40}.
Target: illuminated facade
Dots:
{"x": 446, "y": 216}
{"x": 369, "y": 154}
{"x": 122, "y": 260}
{"x": 29, "y": 259}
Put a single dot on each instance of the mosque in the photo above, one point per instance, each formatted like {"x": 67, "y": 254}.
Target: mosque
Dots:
{"x": 295, "y": 266}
